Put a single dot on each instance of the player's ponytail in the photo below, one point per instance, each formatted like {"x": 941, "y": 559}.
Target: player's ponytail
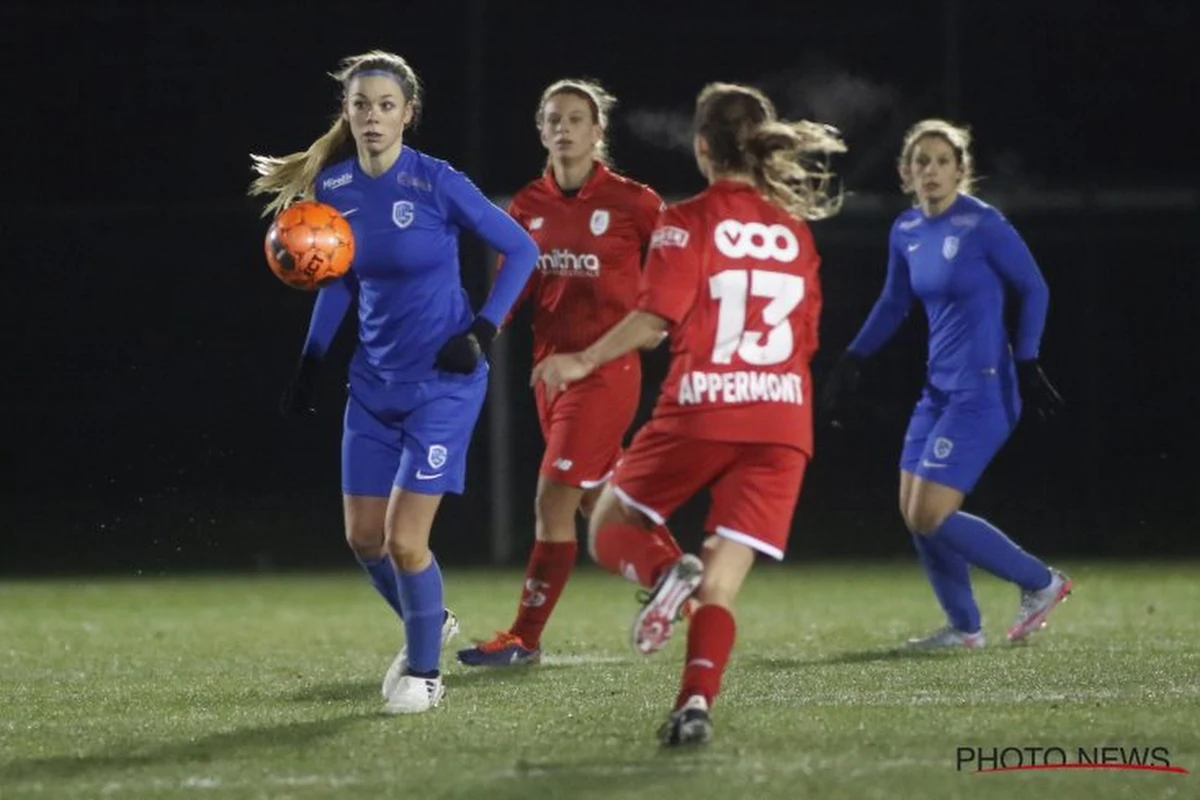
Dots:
{"x": 291, "y": 177}
{"x": 790, "y": 164}
{"x": 788, "y": 161}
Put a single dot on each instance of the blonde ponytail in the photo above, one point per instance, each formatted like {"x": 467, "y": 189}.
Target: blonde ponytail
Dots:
{"x": 291, "y": 177}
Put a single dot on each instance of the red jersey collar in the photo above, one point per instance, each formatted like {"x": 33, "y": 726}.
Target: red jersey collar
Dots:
{"x": 727, "y": 185}
{"x": 599, "y": 175}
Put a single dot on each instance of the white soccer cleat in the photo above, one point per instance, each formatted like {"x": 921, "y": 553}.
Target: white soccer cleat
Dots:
{"x": 1037, "y": 605}
{"x": 413, "y": 695}
{"x": 400, "y": 663}
{"x": 655, "y": 623}
{"x": 947, "y": 638}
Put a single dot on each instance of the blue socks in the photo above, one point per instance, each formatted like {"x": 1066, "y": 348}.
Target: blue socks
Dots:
{"x": 424, "y": 613}
{"x": 949, "y": 574}
{"x": 383, "y": 577}
{"x": 983, "y": 545}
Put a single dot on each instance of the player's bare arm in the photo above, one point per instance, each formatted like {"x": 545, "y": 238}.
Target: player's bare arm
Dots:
{"x": 639, "y": 329}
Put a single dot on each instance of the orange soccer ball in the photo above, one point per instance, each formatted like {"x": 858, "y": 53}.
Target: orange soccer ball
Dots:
{"x": 309, "y": 245}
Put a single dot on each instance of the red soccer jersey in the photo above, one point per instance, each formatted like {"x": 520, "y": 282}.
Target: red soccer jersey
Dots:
{"x": 737, "y": 279}
{"x": 591, "y": 255}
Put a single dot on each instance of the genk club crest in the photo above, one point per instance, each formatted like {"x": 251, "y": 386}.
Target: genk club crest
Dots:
{"x": 402, "y": 213}
{"x": 599, "y": 221}
{"x": 437, "y": 453}
{"x": 942, "y": 447}
{"x": 950, "y": 247}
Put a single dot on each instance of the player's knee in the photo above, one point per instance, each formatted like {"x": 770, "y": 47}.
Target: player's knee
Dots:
{"x": 555, "y": 510}
{"x": 726, "y": 564}
{"x": 366, "y": 543}
{"x": 409, "y": 556}
{"x": 925, "y": 520}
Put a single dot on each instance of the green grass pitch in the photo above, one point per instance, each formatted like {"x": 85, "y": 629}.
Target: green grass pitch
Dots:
{"x": 268, "y": 686}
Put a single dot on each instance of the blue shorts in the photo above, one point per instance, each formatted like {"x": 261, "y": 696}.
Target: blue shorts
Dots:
{"x": 953, "y": 436}
{"x": 413, "y": 435}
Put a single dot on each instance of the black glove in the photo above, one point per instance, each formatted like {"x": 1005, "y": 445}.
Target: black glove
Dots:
{"x": 841, "y": 383}
{"x": 1037, "y": 394}
{"x": 461, "y": 353}
{"x": 297, "y": 399}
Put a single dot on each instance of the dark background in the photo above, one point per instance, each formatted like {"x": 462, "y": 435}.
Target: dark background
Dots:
{"x": 146, "y": 343}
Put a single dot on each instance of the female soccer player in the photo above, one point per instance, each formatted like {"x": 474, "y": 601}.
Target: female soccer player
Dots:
{"x": 732, "y": 276}
{"x": 418, "y": 375}
{"x": 959, "y": 256}
{"x": 592, "y": 227}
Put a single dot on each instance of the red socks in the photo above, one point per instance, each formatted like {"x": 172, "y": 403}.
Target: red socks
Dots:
{"x": 709, "y": 643}
{"x": 550, "y": 565}
{"x": 636, "y": 553}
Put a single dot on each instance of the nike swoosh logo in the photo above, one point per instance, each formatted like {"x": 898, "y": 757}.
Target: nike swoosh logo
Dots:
{"x": 349, "y": 211}
{"x": 931, "y": 465}
{"x": 421, "y": 476}
{"x": 912, "y": 247}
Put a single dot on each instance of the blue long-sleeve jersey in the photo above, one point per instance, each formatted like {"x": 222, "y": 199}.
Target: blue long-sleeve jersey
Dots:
{"x": 960, "y": 264}
{"x": 406, "y": 273}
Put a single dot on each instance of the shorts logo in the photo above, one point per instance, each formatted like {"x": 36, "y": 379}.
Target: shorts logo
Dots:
{"x": 950, "y": 247}
{"x": 756, "y": 240}
{"x": 563, "y": 464}
{"x": 402, "y": 213}
{"x": 536, "y": 223}
{"x": 942, "y": 447}
{"x": 599, "y": 222}
{"x": 437, "y": 456}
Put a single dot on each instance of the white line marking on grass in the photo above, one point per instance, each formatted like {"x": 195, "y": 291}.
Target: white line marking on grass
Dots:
{"x": 584, "y": 659}
{"x": 205, "y": 783}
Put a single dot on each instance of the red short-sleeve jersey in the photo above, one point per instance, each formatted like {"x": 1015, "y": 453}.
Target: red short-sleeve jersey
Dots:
{"x": 591, "y": 247}
{"x": 737, "y": 278}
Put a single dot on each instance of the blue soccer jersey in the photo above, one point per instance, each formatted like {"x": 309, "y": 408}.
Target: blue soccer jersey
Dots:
{"x": 961, "y": 265}
{"x": 406, "y": 268}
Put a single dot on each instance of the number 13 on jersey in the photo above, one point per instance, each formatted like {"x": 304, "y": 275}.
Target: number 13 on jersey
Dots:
{"x": 732, "y": 289}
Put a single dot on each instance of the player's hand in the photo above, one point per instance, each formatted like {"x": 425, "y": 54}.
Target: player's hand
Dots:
{"x": 560, "y": 370}
{"x": 461, "y": 352}
{"x": 1037, "y": 393}
{"x": 841, "y": 383}
{"x": 297, "y": 399}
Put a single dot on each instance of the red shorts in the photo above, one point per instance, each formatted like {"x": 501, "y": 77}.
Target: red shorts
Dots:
{"x": 754, "y": 487}
{"x": 585, "y": 425}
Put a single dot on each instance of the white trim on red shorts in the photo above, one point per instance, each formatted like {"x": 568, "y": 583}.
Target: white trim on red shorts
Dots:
{"x": 750, "y": 541}
{"x": 598, "y": 482}
{"x": 654, "y": 516}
